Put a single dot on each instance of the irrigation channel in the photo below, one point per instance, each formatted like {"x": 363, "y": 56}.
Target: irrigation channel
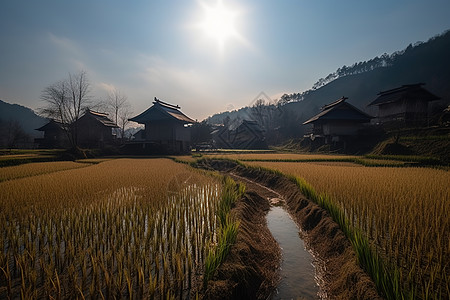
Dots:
{"x": 297, "y": 271}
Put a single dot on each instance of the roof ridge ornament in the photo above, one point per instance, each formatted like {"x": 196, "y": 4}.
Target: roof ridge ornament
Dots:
{"x": 166, "y": 104}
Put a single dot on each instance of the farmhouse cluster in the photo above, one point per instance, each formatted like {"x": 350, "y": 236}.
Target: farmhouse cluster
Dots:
{"x": 93, "y": 130}
{"x": 168, "y": 130}
{"x": 340, "y": 121}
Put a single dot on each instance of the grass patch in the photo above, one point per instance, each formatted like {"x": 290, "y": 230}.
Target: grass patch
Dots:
{"x": 422, "y": 160}
{"x": 8, "y": 161}
{"x": 227, "y": 229}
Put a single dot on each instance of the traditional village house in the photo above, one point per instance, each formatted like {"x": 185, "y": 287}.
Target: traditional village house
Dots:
{"x": 337, "y": 121}
{"x": 55, "y": 136}
{"x": 407, "y": 104}
{"x": 249, "y": 135}
{"x": 166, "y": 128}
{"x": 221, "y": 136}
{"x": 94, "y": 130}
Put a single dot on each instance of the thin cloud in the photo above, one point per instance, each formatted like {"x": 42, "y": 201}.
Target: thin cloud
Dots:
{"x": 160, "y": 74}
{"x": 106, "y": 87}
{"x": 70, "y": 52}
{"x": 65, "y": 44}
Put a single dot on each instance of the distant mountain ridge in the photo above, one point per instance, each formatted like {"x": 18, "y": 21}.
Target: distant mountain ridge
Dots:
{"x": 427, "y": 62}
{"x": 24, "y": 116}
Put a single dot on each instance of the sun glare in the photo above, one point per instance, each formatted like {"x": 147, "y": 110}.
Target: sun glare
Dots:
{"x": 219, "y": 23}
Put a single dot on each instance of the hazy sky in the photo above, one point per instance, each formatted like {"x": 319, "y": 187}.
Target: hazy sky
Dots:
{"x": 148, "y": 49}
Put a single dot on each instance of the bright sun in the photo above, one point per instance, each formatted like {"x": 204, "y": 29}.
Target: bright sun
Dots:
{"x": 219, "y": 23}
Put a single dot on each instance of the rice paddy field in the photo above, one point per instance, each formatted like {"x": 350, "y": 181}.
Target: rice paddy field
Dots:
{"x": 17, "y": 157}
{"x": 270, "y": 156}
{"x": 34, "y": 169}
{"x": 335, "y": 159}
{"x": 135, "y": 228}
{"x": 155, "y": 228}
{"x": 404, "y": 212}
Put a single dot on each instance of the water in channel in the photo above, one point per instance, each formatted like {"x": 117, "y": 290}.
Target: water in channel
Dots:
{"x": 297, "y": 270}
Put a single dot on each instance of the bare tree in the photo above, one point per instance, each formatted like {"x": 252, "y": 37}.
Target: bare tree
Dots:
{"x": 116, "y": 102}
{"x": 15, "y": 134}
{"x": 66, "y": 100}
{"x": 263, "y": 113}
{"x": 259, "y": 111}
{"x": 124, "y": 114}
{"x": 118, "y": 105}
{"x": 12, "y": 134}
{"x": 56, "y": 97}
{"x": 79, "y": 88}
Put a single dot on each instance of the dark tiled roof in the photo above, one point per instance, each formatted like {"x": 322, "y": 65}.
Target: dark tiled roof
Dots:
{"x": 404, "y": 93}
{"x": 52, "y": 124}
{"x": 252, "y": 127}
{"x": 340, "y": 110}
{"x": 162, "y": 111}
{"x": 102, "y": 118}
{"x": 339, "y": 101}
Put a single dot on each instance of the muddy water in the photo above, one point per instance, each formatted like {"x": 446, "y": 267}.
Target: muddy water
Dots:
{"x": 297, "y": 270}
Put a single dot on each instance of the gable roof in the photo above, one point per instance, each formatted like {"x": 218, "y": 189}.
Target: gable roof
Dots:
{"x": 100, "y": 117}
{"x": 51, "y": 125}
{"x": 252, "y": 127}
{"x": 340, "y": 110}
{"x": 406, "y": 92}
{"x": 161, "y": 111}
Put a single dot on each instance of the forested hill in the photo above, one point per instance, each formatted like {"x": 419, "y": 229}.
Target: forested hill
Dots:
{"x": 427, "y": 62}
{"x": 21, "y": 115}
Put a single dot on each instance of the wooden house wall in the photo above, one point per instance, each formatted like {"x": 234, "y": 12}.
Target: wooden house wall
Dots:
{"x": 417, "y": 107}
{"x": 55, "y": 135}
{"x": 92, "y": 133}
{"x": 340, "y": 128}
{"x": 183, "y": 133}
{"x": 53, "y": 138}
{"x": 158, "y": 131}
{"x": 167, "y": 131}
{"x": 405, "y": 110}
{"x": 388, "y": 109}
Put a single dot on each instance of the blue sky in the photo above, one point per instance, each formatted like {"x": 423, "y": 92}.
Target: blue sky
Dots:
{"x": 148, "y": 49}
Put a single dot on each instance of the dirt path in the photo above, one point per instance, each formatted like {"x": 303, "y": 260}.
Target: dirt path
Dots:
{"x": 340, "y": 275}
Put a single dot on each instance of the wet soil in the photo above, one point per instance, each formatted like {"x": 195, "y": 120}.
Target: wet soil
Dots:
{"x": 251, "y": 270}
